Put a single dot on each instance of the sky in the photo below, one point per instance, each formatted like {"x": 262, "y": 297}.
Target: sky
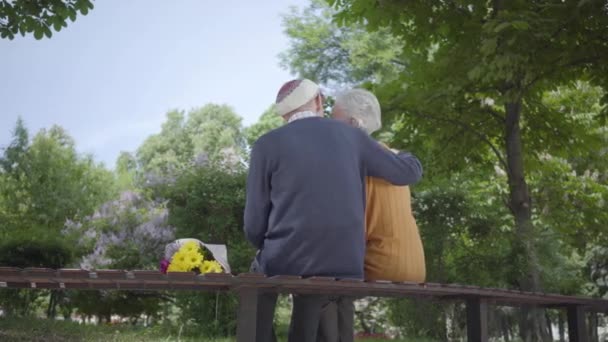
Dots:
{"x": 110, "y": 77}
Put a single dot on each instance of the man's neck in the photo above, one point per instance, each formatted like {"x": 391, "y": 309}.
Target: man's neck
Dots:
{"x": 302, "y": 115}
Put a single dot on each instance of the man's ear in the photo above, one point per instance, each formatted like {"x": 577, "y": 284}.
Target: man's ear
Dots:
{"x": 319, "y": 103}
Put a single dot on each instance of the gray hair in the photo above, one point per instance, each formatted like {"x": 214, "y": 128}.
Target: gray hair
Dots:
{"x": 363, "y": 107}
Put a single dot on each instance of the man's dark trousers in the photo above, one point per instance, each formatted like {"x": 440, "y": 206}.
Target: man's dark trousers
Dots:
{"x": 305, "y": 318}
{"x": 337, "y": 321}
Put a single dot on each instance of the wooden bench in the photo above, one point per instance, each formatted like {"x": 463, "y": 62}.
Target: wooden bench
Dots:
{"x": 247, "y": 286}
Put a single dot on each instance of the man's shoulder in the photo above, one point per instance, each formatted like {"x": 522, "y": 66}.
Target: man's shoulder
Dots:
{"x": 269, "y": 137}
{"x": 309, "y": 124}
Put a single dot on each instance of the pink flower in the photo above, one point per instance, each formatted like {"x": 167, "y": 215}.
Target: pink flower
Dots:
{"x": 164, "y": 264}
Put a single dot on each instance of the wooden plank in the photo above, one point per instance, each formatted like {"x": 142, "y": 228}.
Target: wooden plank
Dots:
{"x": 117, "y": 279}
{"x": 111, "y": 274}
{"x": 322, "y": 280}
{"x": 10, "y": 272}
{"x": 146, "y": 275}
{"x": 577, "y": 327}
{"x": 39, "y": 272}
{"x": 41, "y": 278}
{"x": 73, "y": 273}
{"x": 477, "y": 320}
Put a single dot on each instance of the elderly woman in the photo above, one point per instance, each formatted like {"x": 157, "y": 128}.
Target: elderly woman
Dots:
{"x": 393, "y": 246}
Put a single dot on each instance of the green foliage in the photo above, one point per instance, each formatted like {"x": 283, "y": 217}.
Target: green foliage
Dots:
{"x": 14, "y": 154}
{"x": 14, "y": 329}
{"x": 213, "y": 315}
{"x": 126, "y": 171}
{"x": 39, "y": 17}
{"x": 468, "y": 69}
{"x": 329, "y": 53}
{"x": 46, "y": 182}
{"x": 466, "y": 237}
{"x": 128, "y": 233}
{"x": 470, "y": 59}
{"x": 417, "y": 318}
{"x": 33, "y": 250}
{"x": 267, "y": 122}
{"x": 208, "y": 204}
{"x": 204, "y": 136}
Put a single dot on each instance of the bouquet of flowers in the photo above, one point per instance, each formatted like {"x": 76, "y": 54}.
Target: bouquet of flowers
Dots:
{"x": 192, "y": 255}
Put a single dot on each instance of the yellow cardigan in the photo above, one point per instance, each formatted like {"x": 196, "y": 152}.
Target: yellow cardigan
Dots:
{"x": 394, "y": 248}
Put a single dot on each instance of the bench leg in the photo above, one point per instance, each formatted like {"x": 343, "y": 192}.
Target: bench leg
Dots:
{"x": 577, "y": 327}
{"x": 477, "y": 320}
{"x": 247, "y": 315}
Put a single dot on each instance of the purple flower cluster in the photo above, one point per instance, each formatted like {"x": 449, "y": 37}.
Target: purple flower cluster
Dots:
{"x": 131, "y": 221}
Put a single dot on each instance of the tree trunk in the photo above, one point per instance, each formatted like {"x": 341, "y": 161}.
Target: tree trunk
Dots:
{"x": 549, "y": 325}
{"x": 593, "y": 324}
{"x": 51, "y": 311}
{"x": 533, "y": 324}
{"x": 506, "y": 334}
{"x": 561, "y": 327}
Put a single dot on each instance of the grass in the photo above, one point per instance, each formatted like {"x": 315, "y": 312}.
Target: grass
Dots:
{"x": 39, "y": 330}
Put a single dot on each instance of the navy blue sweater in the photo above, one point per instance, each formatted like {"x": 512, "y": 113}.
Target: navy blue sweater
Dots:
{"x": 305, "y": 209}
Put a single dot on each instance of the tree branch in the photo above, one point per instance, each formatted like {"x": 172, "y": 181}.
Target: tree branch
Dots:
{"x": 559, "y": 68}
{"x": 499, "y": 118}
{"x": 398, "y": 62}
{"x": 484, "y": 138}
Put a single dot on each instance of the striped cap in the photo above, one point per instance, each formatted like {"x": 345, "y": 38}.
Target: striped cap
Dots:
{"x": 294, "y": 94}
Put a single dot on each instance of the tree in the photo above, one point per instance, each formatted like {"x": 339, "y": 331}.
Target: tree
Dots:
{"x": 39, "y": 17}
{"x": 126, "y": 171}
{"x": 12, "y": 167}
{"x": 42, "y": 185}
{"x": 338, "y": 56}
{"x": 46, "y": 182}
{"x": 203, "y": 136}
{"x": 13, "y": 154}
{"x": 475, "y": 78}
{"x": 267, "y": 122}
{"x": 208, "y": 204}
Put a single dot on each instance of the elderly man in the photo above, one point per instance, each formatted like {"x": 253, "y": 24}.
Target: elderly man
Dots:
{"x": 394, "y": 248}
{"x": 305, "y": 201}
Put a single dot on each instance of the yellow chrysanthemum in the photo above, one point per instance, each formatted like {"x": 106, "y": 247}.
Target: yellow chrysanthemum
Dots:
{"x": 189, "y": 257}
{"x": 190, "y": 246}
{"x": 174, "y": 268}
{"x": 193, "y": 259}
{"x": 211, "y": 267}
{"x": 179, "y": 262}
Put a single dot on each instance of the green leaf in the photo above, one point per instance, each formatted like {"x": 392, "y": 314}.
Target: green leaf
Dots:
{"x": 488, "y": 46}
{"x": 474, "y": 73}
{"x": 30, "y": 24}
{"x": 582, "y": 3}
{"x": 72, "y": 14}
{"x": 84, "y": 10}
{"x": 58, "y": 24}
{"x": 501, "y": 26}
{"x": 38, "y": 33}
{"x": 47, "y": 32}
{"x": 520, "y": 25}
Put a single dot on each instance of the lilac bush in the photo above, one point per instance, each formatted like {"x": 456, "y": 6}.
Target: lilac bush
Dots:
{"x": 129, "y": 232}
